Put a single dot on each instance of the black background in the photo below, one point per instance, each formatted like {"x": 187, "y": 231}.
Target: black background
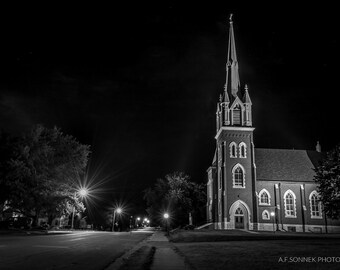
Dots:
{"x": 140, "y": 82}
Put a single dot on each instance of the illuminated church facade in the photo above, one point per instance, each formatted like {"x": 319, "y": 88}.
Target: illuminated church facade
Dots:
{"x": 253, "y": 188}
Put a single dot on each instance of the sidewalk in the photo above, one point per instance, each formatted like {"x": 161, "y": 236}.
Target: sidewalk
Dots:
{"x": 165, "y": 257}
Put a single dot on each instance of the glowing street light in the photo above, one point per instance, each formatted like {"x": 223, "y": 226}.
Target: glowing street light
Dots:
{"x": 137, "y": 221}
{"x": 166, "y": 217}
{"x": 118, "y": 211}
{"x": 83, "y": 192}
{"x": 273, "y": 215}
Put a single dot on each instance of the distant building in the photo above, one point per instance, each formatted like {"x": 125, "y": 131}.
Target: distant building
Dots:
{"x": 258, "y": 189}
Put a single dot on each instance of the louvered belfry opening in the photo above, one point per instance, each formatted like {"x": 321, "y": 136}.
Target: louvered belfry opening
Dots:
{"x": 237, "y": 115}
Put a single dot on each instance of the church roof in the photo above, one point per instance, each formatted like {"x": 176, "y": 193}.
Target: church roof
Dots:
{"x": 286, "y": 165}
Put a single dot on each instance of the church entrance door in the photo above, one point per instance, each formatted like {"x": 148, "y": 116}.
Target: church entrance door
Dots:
{"x": 239, "y": 219}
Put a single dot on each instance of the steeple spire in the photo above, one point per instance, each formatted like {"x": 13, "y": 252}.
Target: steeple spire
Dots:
{"x": 232, "y": 64}
{"x": 246, "y": 97}
{"x": 233, "y": 108}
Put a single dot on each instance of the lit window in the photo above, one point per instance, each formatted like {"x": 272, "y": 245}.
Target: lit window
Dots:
{"x": 243, "y": 150}
{"x": 238, "y": 176}
{"x": 315, "y": 205}
{"x": 290, "y": 204}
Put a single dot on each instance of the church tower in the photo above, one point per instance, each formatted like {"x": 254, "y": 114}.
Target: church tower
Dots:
{"x": 234, "y": 150}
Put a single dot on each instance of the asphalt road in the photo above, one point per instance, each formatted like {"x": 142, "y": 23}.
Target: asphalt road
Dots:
{"x": 78, "y": 250}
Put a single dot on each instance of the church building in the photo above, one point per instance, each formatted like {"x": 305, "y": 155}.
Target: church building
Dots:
{"x": 256, "y": 188}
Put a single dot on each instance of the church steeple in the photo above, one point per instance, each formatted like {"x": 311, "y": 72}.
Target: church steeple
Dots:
{"x": 232, "y": 76}
{"x": 233, "y": 109}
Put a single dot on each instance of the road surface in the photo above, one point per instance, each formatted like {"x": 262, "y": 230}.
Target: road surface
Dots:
{"x": 78, "y": 250}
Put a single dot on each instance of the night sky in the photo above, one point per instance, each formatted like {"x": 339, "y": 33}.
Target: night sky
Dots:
{"x": 139, "y": 83}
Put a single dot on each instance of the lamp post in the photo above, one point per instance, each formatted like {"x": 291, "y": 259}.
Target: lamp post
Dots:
{"x": 273, "y": 215}
{"x": 83, "y": 193}
{"x": 166, "y": 217}
{"x": 137, "y": 221}
{"x": 118, "y": 210}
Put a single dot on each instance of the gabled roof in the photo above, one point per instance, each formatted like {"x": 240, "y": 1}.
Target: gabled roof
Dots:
{"x": 237, "y": 100}
{"x": 286, "y": 165}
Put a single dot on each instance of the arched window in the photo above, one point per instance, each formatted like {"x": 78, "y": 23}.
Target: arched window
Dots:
{"x": 237, "y": 115}
{"x": 238, "y": 176}
{"x": 265, "y": 215}
{"x": 264, "y": 197}
{"x": 290, "y": 203}
{"x": 243, "y": 150}
{"x": 315, "y": 205}
{"x": 232, "y": 148}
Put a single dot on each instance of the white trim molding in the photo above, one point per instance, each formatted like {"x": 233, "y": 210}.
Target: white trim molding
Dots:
{"x": 231, "y": 145}
{"x": 260, "y": 194}
{"x": 238, "y": 165}
{"x": 265, "y": 212}
{"x": 240, "y": 145}
{"x": 232, "y": 210}
{"x": 285, "y": 204}
{"x": 315, "y": 193}
{"x": 229, "y": 128}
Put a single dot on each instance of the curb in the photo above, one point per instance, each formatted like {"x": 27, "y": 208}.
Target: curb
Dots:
{"x": 120, "y": 261}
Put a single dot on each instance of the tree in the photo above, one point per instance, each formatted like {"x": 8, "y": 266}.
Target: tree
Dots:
{"x": 328, "y": 179}
{"x": 6, "y": 145}
{"x": 178, "y": 195}
{"x": 44, "y": 171}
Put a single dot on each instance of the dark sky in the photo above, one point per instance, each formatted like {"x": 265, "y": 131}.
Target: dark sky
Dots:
{"x": 139, "y": 83}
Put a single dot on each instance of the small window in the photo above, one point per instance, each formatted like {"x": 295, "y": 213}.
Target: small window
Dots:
{"x": 265, "y": 215}
{"x": 232, "y": 148}
{"x": 291, "y": 228}
{"x": 243, "y": 150}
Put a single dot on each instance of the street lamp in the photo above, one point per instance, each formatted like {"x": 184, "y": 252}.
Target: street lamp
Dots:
{"x": 83, "y": 193}
{"x": 166, "y": 217}
{"x": 273, "y": 215}
{"x": 118, "y": 211}
{"x": 137, "y": 221}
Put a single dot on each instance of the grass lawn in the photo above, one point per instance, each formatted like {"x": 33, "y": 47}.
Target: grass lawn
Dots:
{"x": 309, "y": 252}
